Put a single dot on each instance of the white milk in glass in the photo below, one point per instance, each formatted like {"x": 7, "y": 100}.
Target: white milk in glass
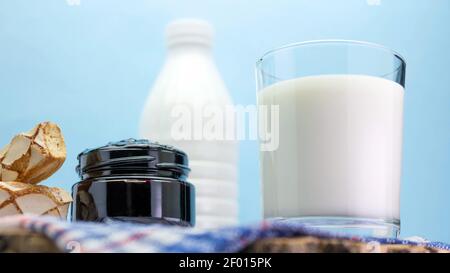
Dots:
{"x": 340, "y": 145}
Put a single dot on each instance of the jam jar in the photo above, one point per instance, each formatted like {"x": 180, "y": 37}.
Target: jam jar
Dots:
{"x": 134, "y": 181}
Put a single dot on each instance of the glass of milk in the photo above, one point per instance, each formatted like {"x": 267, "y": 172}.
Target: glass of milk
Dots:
{"x": 337, "y": 160}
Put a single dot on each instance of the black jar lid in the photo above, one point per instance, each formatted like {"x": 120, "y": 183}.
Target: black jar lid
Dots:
{"x": 133, "y": 157}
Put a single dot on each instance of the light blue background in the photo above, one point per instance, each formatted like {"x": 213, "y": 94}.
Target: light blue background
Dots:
{"x": 89, "y": 68}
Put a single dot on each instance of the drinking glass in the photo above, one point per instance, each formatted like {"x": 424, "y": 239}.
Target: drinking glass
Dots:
{"x": 331, "y": 135}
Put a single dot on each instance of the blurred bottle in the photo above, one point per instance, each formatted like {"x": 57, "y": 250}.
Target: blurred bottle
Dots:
{"x": 186, "y": 99}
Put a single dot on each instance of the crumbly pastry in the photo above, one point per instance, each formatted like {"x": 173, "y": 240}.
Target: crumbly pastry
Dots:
{"x": 20, "y": 198}
{"x": 27, "y": 160}
{"x": 33, "y": 156}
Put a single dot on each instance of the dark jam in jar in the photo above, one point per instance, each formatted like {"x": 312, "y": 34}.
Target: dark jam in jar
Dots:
{"x": 134, "y": 181}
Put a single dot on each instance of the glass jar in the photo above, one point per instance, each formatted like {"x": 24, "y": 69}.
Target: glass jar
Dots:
{"x": 134, "y": 181}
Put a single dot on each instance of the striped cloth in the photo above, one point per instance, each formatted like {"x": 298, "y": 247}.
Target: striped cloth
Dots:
{"x": 126, "y": 237}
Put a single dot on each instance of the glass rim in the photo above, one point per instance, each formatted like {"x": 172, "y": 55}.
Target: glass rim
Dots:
{"x": 331, "y": 41}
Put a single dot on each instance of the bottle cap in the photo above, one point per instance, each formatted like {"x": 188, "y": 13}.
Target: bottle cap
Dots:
{"x": 189, "y": 30}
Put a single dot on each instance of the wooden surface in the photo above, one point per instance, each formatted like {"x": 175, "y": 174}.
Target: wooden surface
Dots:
{"x": 310, "y": 244}
{"x": 19, "y": 241}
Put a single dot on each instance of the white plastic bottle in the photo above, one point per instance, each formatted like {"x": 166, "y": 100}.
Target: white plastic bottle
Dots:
{"x": 188, "y": 91}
